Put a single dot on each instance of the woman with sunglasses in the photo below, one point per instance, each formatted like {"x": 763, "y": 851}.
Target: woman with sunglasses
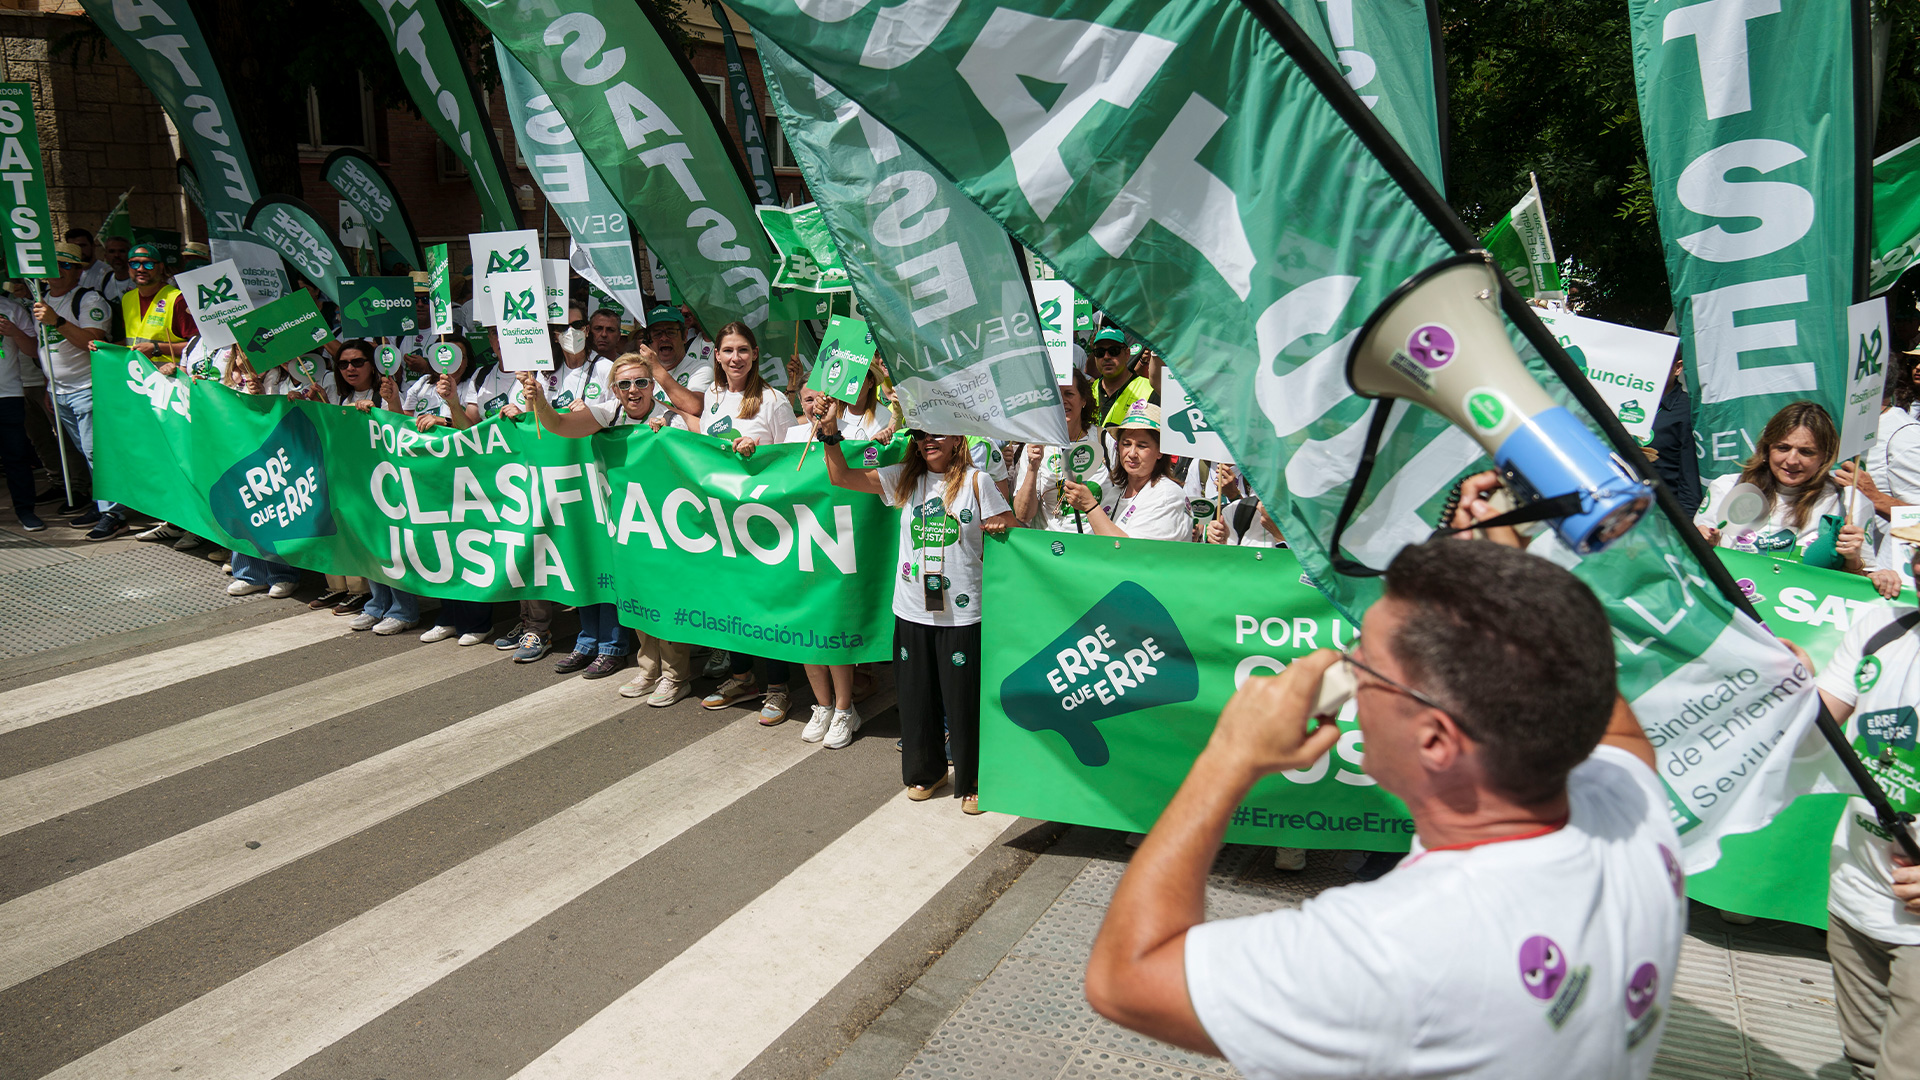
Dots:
{"x": 1039, "y": 499}
{"x": 740, "y": 407}
{"x": 355, "y": 385}
{"x": 601, "y": 648}
{"x": 948, "y": 510}
{"x": 1144, "y": 501}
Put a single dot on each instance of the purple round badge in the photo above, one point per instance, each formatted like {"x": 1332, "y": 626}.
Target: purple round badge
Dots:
{"x": 1431, "y": 346}
{"x": 1676, "y": 876}
{"x": 1543, "y": 967}
{"x": 1641, "y": 990}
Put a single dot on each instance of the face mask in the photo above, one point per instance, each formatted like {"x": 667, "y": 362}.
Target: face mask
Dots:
{"x": 572, "y": 340}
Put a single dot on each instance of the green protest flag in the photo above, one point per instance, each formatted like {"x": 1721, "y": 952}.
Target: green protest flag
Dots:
{"x": 844, "y": 358}
{"x": 439, "y": 290}
{"x": 23, "y": 199}
{"x": 1170, "y": 159}
{"x": 1761, "y": 271}
{"x": 632, "y": 104}
{"x": 291, "y": 228}
{"x": 766, "y": 190}
{"x": 1063, "y": 737}
{"x": 366, "y": 187}
{"x": 190, "y": 183}
{"x": 809, "y": 261}
{"x": 118, "y": 222}
{"x": 935, "y": 275}
{"x": 1393, "y": 58}
{"x": 376, "y": 307}
{"x": 573, "y": 187}
{"x": 276, "y": 332}
{"x": 162, "y": 42}
{"x": 443, "y": 90}
{"x": 1896, "y": 215}
{"x": 1521, "y": 245}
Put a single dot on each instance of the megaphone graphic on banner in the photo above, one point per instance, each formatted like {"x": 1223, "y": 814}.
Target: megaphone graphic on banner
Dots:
{"x": 1439, "y": 340}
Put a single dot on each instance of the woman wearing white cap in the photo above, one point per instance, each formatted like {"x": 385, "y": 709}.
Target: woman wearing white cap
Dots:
{"x": 1144, "y": 502}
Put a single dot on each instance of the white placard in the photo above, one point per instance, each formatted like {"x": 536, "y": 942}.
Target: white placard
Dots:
{"x": 353, "y": 230}
{"x": 1054, "y": 302}
{"x": 496, "y": 252}
{"x": 523, "y": 320}
{"x": 1626, "y": 365}
{"x": 260, "y": 267}
{"x": 555, "y": 273}
{"x": 1870, "y": 349}
{"x": 217, "y": 295}
{"x": 1183, "y": 431}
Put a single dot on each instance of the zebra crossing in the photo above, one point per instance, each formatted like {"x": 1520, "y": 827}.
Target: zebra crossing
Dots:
{"x": 373, "y": 857}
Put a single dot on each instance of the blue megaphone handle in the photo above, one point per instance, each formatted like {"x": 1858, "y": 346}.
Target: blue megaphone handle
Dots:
{"x": 1553, "y": 453}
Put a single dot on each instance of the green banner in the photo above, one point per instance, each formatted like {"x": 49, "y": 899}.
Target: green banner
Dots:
{"x": 365, "y": 185}
{"x": 1896, "y": 215}
{"x": 631, "y": 103}
{"x": 289, "y": 226}
{"x": 162, "y": 42}
{"x": 593, "y": 217}
{"x": 276, "y": 332}
{"x": 439, "y": 290}
{"x": 1520, "y": 244}
{"x": 1170, "y": 159}
{"x": 376, "y": 307}
{"x": 23, "y": 188}
{"x": 809, "y": 261}
{"x": 935, "y": 275}
{"x": 692, "y": 541}
{"x": 844, "y": 358}
{"x": 766, "y": 190}
{"x": 443, "y": 91}
{"x": 1748, "y": 118}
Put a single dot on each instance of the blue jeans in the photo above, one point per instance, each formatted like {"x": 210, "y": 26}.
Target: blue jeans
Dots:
{"x": 600, "y": 631}
{"x": 255, "y": 570}
{"x": 75, "y": 408}
{"x": 390, "y": 603}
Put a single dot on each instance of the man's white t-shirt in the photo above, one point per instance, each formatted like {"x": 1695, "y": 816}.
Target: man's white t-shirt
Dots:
{"x": 940, "y": 539}
{"x": 720, "y": 415}
{"x": 422, "y": 397}
{"x": 1894, "y": 458}
{"x": 693, "y": 372}
{"x": 95, "y": 276}
{"x": 115, "y": 288}
{"x": 1883, "y": 690}
{"x": 1547, "y": 957}
{"x": 72, "y": 366}
{"x": 1777, "y": 535}
{"x": 1089, "y": 455}
{"x": 1159, "y": 512}
{"x": 15, "y": 359}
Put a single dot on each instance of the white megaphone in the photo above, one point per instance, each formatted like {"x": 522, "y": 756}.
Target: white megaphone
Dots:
{"x": 1439, "y": 340}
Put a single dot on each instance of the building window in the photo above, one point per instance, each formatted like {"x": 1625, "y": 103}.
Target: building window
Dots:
{"x": 716, "y": 86}
{"x": 777, "y": 147}
{"x": 339, "y": 113}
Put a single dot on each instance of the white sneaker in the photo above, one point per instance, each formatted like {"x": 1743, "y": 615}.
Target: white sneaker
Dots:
{"x": 471, "y": 639}
{"x": 438, "y": 633}
{"x": 244, "y": 588}
{"x": 389, "y": 626}
{"x": 665, "y": 694}
{"x": 162, "y": 531}
{"x": 816, "y": 728}
{"x": 280, "y": 590}
{"x": 639, "y": 686}
{"x": 840, "y": 730}
{"x": 1289, "y": 858}
{"x": 364, "y": 621}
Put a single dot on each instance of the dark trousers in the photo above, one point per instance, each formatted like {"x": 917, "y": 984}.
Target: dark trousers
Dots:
{"x": 466, "y": 616}
{"x": 936, "y": 671}
{"x": 777, "y": 671}
{"x": 16, "y": 452}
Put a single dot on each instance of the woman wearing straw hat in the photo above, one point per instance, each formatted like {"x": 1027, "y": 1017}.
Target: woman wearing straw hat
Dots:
{"x": 1144, "y": 502}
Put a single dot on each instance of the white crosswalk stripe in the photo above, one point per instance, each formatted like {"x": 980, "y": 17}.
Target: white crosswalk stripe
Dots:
{"x": 794, "y": 942}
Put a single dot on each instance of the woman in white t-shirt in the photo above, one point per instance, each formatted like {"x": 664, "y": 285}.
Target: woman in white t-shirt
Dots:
{"x": 355, "y": 384}
{"x": 740, "y": 406}
{"x": 1144, "y": 501}
{"x": 1039, "y": 497}
{"x": 947, "y": 510}
{"x": 1791, "y": 468}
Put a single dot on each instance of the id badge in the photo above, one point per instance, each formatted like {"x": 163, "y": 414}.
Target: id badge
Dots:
{"x": 933, "y": 584}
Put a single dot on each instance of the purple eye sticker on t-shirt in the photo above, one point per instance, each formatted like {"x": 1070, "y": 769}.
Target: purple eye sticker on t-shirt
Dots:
{"x": 1431, "y": 346}
{"x": 1642, "y": 989}
{"x": 1675, "y": 875}
{"x": 1543, "y": 967}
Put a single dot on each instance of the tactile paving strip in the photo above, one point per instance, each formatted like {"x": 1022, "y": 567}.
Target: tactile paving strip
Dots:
{"x": 45, "y": 607}
{"x": 21, "y": 552}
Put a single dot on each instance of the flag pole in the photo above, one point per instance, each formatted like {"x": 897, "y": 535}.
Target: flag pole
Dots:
{"x": 53, "y": 389}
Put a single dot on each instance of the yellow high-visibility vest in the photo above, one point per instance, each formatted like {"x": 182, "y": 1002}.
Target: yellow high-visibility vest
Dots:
{"x": 157, "y": 324}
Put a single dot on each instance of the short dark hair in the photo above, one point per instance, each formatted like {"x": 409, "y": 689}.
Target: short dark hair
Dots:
{"x": 1517, "y": 647}
{"x": 607, "y": 311}
{"x": 77, "y": 234}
